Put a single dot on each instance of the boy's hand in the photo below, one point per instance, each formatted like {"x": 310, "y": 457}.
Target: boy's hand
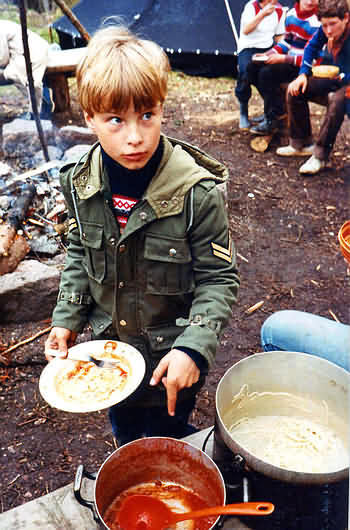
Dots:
{"x": 276, "y": 58}
{"x": 267, "y": 10}
{"x": 60, "y": 339}
{"x": 176, "y": 371}
{"x": 298, "y": 85}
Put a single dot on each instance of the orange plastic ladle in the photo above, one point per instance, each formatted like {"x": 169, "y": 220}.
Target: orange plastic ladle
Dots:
{"x": 143, "y": 512}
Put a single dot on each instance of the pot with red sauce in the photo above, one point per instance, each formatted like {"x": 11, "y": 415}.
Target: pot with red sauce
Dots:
{"x": 174, "y": 471}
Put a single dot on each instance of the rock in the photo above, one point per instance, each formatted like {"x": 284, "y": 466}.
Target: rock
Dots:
{"x": 75, "y": 153}
{"x": 29, "y": 293}
{"x": 21, "y": 139}
{"x": 55, "y": 153}
{"x": 5, "y": 169}
{"x": 71, "y": 135}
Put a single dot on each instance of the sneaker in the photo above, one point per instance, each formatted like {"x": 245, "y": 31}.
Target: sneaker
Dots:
{"x": 312, "y": 166}
{"x": 289, "y": 150}
{"x": 257, "y": 119}
{"x": 266, "y": 127}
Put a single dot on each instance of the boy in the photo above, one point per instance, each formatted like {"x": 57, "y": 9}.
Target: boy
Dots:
{"x": 261, "y": 22}
{"x": 335, "y": 35}
{"x": 283, "y": 63}
{"x": 150, "y": 260}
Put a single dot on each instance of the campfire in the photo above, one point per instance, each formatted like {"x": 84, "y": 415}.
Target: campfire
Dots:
{"x": 32, "y": 214}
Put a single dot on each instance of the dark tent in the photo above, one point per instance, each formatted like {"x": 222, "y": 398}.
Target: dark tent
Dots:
{"x": 199, "y": 36}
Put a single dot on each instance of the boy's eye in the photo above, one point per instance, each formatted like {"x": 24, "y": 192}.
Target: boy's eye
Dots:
{"x": 147, "y": 115}
{"x": 115, "y": 120}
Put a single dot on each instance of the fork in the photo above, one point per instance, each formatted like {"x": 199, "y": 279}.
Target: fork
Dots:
{"x": 84, "y": 357}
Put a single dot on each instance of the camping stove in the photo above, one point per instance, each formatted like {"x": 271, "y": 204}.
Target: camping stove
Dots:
{"x": 297, "y": 507}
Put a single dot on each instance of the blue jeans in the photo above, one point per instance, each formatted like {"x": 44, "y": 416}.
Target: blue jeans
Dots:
{"x": 130, "y": 423}
{"x": 304, "y": 332}
{"x": 243, "y": 89}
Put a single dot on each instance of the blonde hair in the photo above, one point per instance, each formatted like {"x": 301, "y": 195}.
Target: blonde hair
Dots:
{"x": 120, "y": 68}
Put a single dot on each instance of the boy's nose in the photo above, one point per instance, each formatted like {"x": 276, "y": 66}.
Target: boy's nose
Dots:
{"x": 134, "y": 135}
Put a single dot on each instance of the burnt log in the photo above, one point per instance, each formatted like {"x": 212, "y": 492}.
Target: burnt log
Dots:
{"x": 13, "y": 246}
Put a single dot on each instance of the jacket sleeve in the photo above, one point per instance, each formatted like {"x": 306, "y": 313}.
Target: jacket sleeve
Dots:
{"x": 312, "y": 51}
{"x": 74, "y": 298}
{"x": 215, "y": 273}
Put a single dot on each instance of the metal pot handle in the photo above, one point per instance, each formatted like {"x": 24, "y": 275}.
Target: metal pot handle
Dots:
{"x": 80, "y": 474}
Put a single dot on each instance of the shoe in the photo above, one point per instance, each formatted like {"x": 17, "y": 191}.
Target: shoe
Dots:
{"x": 266, "y": 127}
{"x": 257, "y": 119}
{"x": 244, "y": 123}
{"x": 312, "y": 166}
{"x": 289, "y": 150}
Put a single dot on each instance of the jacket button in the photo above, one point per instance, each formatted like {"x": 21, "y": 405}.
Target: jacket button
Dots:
{"x": 121, "y": 284}
{"x": 172, "y": 252}
{"x": 112, "y": 241}
{"x": 143, "y": 216}
{"x": 122, "y": 322}
{"x": 122, "y": 248}
{"x": 160, "y": 339}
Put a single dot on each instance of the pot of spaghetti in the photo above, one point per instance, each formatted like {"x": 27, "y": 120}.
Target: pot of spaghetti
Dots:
{"x": 282, "y": 420}
{"x": 287, "y": 415}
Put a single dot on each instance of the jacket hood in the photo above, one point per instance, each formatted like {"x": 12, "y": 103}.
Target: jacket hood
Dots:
{"x": 182, "y": 166}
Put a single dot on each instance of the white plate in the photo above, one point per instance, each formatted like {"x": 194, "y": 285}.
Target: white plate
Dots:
{"x": 259, "y": 58}
{"x": 48, "y": 383}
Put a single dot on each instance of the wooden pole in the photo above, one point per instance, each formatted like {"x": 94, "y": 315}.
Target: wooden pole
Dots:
{"x": 23, "y": 19}
{"x": 68, "y": 12}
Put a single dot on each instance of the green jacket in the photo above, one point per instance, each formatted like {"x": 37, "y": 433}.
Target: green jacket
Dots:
{"x": 170, "y": 279}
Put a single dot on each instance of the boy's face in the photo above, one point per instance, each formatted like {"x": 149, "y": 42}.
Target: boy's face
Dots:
{"x": 334, "y": 27}
{"x": 307, "y": 5}
{"x": 129, "y": 137}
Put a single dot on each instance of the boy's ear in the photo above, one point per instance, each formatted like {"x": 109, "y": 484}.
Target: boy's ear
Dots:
{"x": 89, "y": 120}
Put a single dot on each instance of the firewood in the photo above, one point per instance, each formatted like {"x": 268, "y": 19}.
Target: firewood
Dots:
{"x": 17, "y": 251}
{"x": 261, "y": 143}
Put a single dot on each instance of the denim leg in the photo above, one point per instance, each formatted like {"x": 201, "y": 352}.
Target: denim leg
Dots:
{"x": 243, "y": 89}
{"x": 130, "y": 423}
{"x": 298, "y": 331}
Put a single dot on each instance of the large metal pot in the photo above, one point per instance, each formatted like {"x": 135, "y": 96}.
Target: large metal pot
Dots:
{"x": 154, "y": 459}
{"x": 296, "y": 373}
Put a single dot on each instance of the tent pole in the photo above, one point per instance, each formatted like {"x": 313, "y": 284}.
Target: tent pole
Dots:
{"x": 68, "y": 12}
{"x": 23, "y": 19}
{"x": 234, "y": 31}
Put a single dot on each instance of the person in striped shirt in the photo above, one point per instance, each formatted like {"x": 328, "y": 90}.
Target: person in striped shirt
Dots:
{"x": 282, "y": 65}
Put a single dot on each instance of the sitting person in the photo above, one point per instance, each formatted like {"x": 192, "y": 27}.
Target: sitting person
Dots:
{"x": 304, "y": 332}
{"x": 335, "y": 34}
{"x": 283, "y": 63}
{"x": 261, "y": 22}
{"x": 13, "y": 66}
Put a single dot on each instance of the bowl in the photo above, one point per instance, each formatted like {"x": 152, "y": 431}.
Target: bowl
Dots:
{"x": 325, "y": 70}
{"x": 344, "y": 240}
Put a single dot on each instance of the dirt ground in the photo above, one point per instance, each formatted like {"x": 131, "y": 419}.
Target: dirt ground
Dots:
{"x": 284, "y": 227}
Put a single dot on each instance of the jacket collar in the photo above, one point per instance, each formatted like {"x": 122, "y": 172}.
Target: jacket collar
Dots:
{"x": 176, "y": 175}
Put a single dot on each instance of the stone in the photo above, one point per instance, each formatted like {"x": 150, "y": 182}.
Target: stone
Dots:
{"x": 29, "y": 293}
{"x": 21, "y": 138}
{"x": 70, "y": 135}
{"x": 75, "y": 153}
{"x": 55, "y": 153}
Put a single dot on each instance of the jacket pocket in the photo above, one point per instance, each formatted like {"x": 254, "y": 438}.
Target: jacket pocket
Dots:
{"x": 95, "y": 253}
{"x": 162, "y": 338}
{"x": 168, "y": 265}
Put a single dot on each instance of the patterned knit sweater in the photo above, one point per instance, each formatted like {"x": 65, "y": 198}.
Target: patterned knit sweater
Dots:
{"x": 300, "y": 27}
